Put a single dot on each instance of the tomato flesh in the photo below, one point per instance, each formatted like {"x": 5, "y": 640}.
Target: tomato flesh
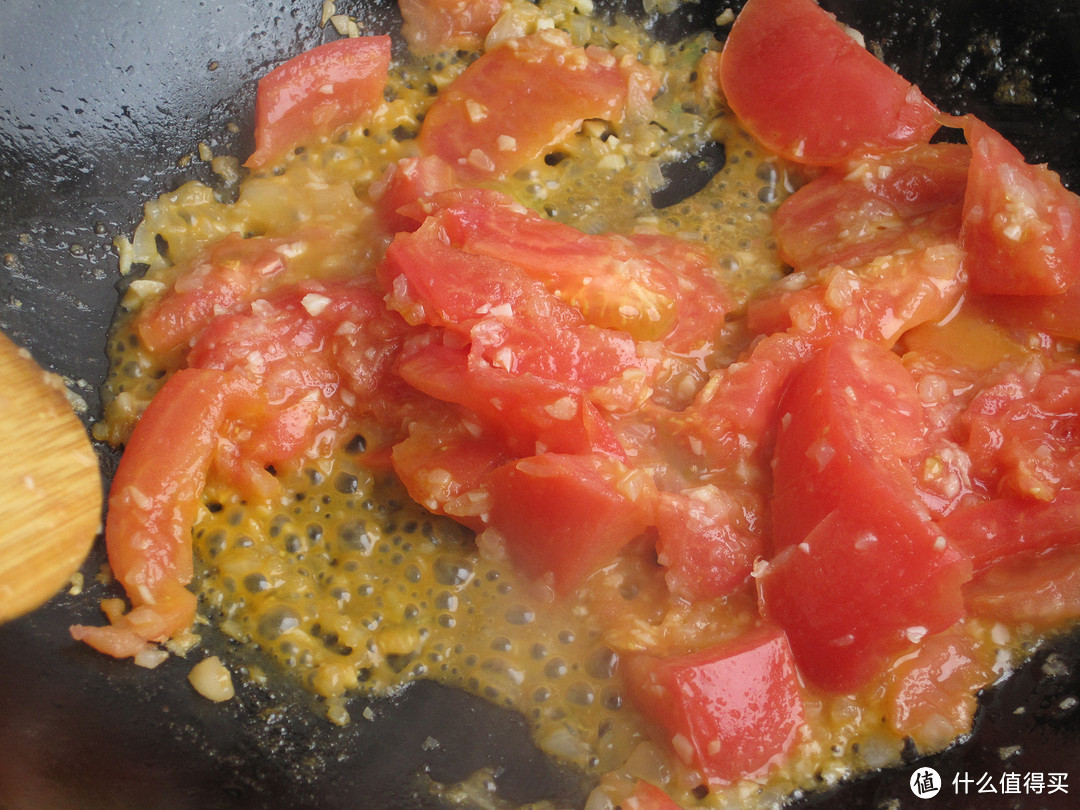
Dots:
{"x": 996, "y": 529}
{"x": 484, "y": 131}
{"x": 316, "y": 92}
{"x": 431, "y": 26}
{"x": 844, "y": 510}
{"x": 824, "y": 98}
{"x": 848, "y": 420}
{"x": 733, "y": 711}
{"x": 1021, "y": 226}
{"x": 601, "y": 510}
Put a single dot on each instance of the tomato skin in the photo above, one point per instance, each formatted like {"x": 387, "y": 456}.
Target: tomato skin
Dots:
{"x": 316, "y": 92}
{"x": 485, "y": 131}
{"x": 431, "y": 26}
{"x": 602, "y": 507}
{"x": 1021, "y": 226}
{"x": 153, "y": 502}
{"x": 1000, "y": 528}
{"x": 823, "y": 99}
{"x": 733, "y": 710}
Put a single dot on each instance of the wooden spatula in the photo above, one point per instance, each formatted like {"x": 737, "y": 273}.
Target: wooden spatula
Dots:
{"x": 50, "y": 484}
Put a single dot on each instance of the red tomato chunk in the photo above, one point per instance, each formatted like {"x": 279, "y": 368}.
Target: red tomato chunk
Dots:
{"x": 316, "y": 92}
{"x": 733, "y": 710}
{"x": 1021, "y": 226}
{"x": 824, "y": 99}
{"x": 523, "y": 96}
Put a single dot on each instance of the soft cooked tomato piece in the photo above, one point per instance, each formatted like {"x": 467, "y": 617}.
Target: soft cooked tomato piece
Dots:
{"x": 316, "y": 92}
{"x": 446, "y": 469}
{"x": 708, "y": 540}
{"x": 529, "y": 413}
{"x": 733, "y": 419}
{"x": 874, "y": 246}
{"x": 523, "y": 96}
{"x": 153, "y": 501}
{"x": 733, "y": 711}
{"x": 560, "y": 517}
{"x": 651, "y": 286}
{"x": 322, "y": 354}
{"x": 1021, "y": 225}
{"x": 806, "y": 89}
{"x": 431, "y": 26}
{"x": 871, "y": 578}
{"x": 511, "y": 321}
{"x": 229, "y": 274}
{"x": 999, "y": 528}
{"x": 508, "y": 349}
{"x": 850, "y": 418}
{"x": 1024, "y": 432}
{"x": 404, "y": 185}
{"x": 845, "y": 510}
{"x": 853, "y": 213}
{"x": 1040, "y": 589}
{"x": 931, "y": 694}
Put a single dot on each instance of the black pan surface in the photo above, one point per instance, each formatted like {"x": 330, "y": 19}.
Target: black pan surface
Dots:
{"x": 98, "y": 101}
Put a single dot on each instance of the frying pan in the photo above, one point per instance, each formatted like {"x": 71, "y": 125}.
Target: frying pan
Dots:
{"x": 98, "y": 102}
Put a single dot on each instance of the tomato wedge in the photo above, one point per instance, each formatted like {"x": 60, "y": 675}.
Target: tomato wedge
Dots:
{"x": 1021, "y": 225}
{"x": 316, "y": 92}
{"x": 524, "y": 95}
{"x": 849, "y": 419}
{"x": 733, "y": 711}
{"x": 153, "y": 502}
{"x": 1000, "y": 528}
{"x": 708, "y": 540}
{"x": 854, "y": 213}
{"x": 602, "y": 507}
{"x": 807, "y": 90}
{"x": 861, "y": 571}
